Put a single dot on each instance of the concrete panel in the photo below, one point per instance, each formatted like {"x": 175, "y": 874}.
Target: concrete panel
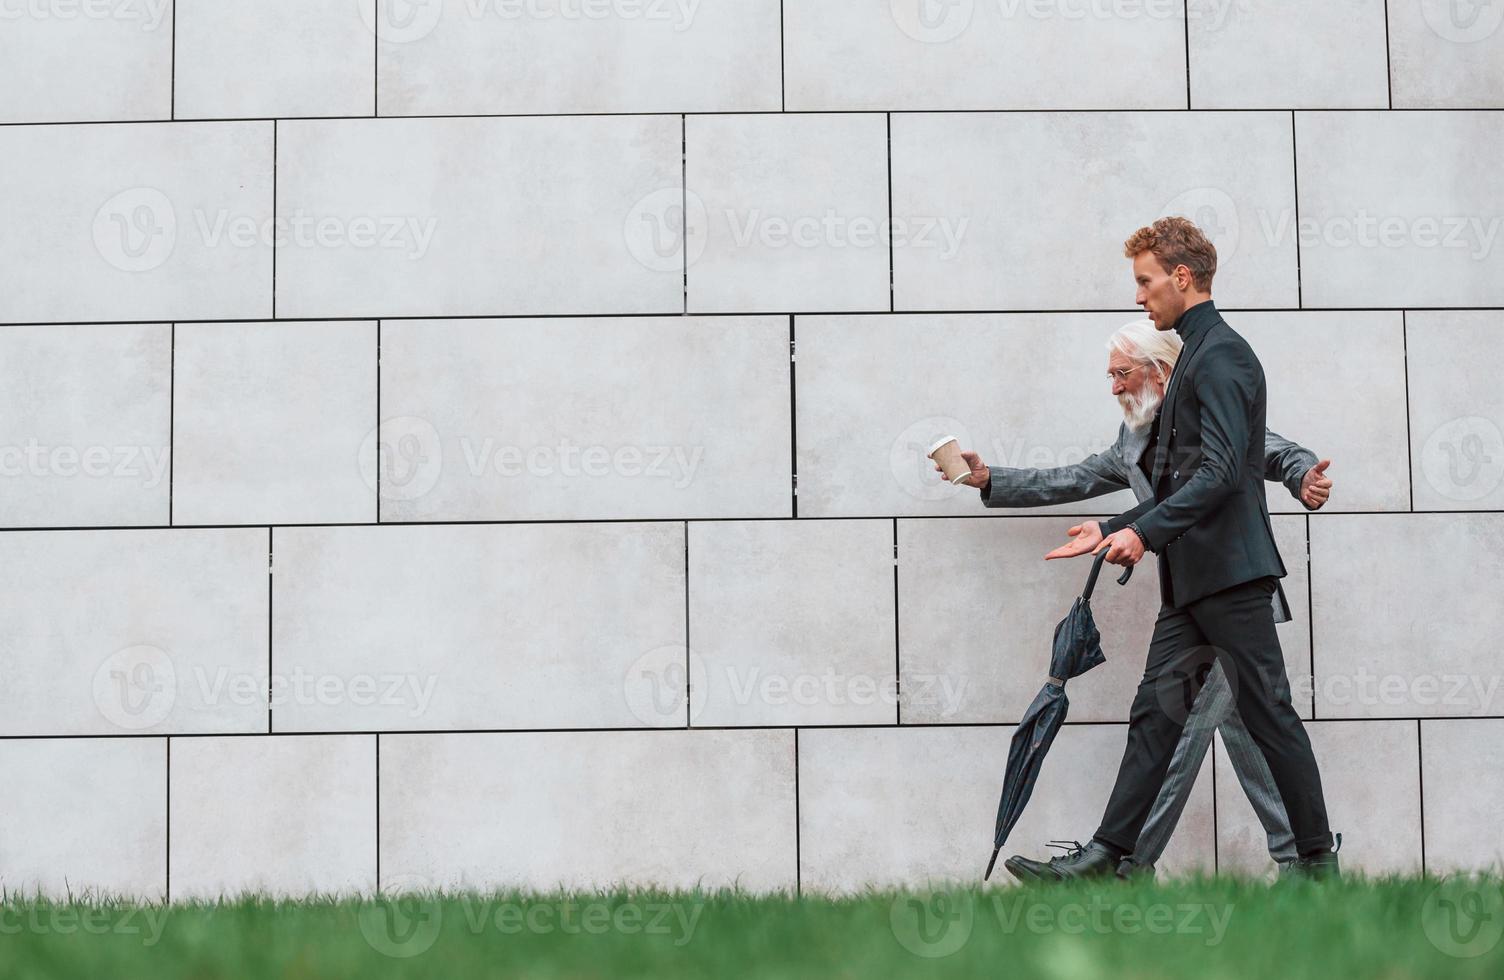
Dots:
{"x": 1456, "y": 409}
{"x": 588, "y": 810}
{"x": 1464, "y": 787}
{"x": 1374, "y": 236}
{"x": 1276, "y": 54}
{"x": 85, "y": 425}
{"x": 1047, "y": 200}
{"x": 133, "y": 632}
{"x": 1401, "y": 628}
{"x": 78, "y": 63}
{"x": 538, "y": 420}
{"x": 268, "y": 422}
{"x": 137, "y": 222}
{"x": 274, "y": 816}
{"x": 791, "y": 623}
{"x": 1446, "y": 55}
{"x": 458, "y": 217}
{"x": 86, "y": 817}
{"x": 461, "y": 56}
{"x": 794, "y": 208}
{"x": 274, "y": 58}
{"x": 476, "y": 626}
{"x": 879, "y": 54}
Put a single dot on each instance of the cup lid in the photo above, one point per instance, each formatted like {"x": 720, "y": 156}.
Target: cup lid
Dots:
{"x": 939, "y": 443}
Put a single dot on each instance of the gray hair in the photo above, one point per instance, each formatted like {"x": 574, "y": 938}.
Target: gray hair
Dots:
{"x": 1142, "y": 343}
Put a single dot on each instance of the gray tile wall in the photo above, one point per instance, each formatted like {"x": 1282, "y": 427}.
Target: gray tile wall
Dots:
{"x": 513, "y": 424}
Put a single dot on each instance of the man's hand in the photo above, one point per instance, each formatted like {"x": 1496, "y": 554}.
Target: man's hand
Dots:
{"x": 1084, "y": 537}
{"x": 1124, "y": 547}
{"x": 1316, "y": 486}
{"x": 980, "y": 475}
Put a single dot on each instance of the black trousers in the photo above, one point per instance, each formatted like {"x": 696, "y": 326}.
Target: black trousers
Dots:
{"x": 1234, "y": 626}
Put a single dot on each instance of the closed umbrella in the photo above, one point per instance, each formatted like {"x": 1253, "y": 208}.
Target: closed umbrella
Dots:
{"x": 1077, "y": 649}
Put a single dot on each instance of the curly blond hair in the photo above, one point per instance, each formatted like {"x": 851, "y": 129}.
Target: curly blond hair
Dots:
{"x": 1177, "y": 241}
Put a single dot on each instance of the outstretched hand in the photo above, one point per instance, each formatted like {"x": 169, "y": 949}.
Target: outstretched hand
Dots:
{"x": 1084, "y": 538}
{"x": 1123, "y": 547}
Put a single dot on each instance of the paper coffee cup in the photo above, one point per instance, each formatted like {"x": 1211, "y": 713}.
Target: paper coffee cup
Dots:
{"x": 947, "y": 452}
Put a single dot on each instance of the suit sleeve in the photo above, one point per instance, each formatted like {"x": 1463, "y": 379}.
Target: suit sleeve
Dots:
{"x": 1095, "y": 475}
{"x": 1286, "y": 462}
{"x": 1226, "y": 388}
{"x": 1127, "y": 517}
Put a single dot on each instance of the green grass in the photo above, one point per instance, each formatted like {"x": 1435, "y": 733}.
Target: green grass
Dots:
{"x": 1193, "y": 928}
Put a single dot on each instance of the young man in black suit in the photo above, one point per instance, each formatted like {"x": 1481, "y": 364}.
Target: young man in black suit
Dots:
{"x": 1218, "y": 565}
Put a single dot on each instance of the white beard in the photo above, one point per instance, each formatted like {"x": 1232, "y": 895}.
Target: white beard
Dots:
{"x": 1139, "y": 409}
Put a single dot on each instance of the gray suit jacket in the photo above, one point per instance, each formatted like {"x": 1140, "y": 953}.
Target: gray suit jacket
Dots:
{"x": 1116, "y": 468}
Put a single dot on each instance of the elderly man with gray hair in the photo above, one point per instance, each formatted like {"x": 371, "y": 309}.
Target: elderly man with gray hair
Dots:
{"x": 1139, "y": 364}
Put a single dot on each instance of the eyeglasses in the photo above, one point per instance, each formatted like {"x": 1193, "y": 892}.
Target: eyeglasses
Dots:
{"x": 1121, "y": 374}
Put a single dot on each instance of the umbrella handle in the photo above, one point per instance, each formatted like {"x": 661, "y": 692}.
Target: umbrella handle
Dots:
{"x": 1096, "y": 566}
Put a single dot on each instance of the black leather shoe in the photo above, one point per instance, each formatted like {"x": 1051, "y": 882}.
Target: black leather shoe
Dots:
{"x": 1322, "y": 864}
{"x": 1091, "y": 861}
{"x": 1128, "y": 869}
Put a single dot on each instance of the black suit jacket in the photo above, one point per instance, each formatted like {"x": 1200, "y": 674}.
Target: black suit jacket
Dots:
{"x": 1209, "y": 520}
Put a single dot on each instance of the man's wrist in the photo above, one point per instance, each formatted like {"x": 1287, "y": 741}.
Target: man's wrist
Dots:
{"x": 1135, "y": 529}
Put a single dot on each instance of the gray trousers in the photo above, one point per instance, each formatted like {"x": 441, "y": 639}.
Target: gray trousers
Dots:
{"x": 1214, "y": 709}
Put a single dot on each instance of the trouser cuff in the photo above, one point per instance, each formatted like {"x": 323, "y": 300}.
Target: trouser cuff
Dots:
{"x": 1118, "y": 849}
{"x": 1320, "y": 844}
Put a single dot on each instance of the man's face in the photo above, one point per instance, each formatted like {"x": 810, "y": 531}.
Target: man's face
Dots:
{"x": 1157, "y": 292}
{"x": 1137, "y": 387}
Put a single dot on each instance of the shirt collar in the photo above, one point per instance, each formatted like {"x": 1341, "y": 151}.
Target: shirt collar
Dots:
{"x": 1195, "y": 320}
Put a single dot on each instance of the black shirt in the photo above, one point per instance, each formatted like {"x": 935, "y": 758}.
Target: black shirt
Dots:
{"x": 1191, "y": 324}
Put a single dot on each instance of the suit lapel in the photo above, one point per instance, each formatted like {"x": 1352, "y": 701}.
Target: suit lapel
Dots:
{"x": 1183, "y": 366}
